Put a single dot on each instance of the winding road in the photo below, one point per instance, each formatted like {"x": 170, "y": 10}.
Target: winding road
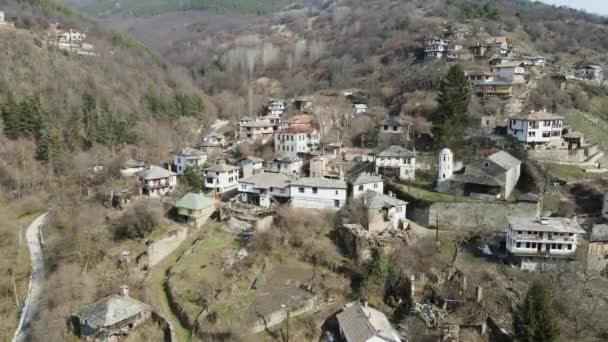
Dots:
{"x": 30, "y": 308}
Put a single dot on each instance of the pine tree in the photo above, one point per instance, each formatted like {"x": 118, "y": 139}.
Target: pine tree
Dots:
{"x": 10, "y": 118}
{"x": 534, "y": 319}
{"x": 377, "y": 271}
{"x": 450, "y": 120}
{"x": 74, "y": 131}
{"x": 192, "y": 179}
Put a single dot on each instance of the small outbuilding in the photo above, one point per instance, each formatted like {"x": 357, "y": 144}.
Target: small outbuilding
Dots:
{"x": 195, "y": 209}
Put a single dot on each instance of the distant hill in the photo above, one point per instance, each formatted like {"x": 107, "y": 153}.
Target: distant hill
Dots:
{"x": 103, "y": 8}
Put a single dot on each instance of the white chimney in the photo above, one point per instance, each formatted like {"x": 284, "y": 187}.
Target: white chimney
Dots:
{"x": 124, "y": 291}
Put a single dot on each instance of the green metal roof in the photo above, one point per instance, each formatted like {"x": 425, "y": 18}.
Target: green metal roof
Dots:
{"x": 195, "y": 201}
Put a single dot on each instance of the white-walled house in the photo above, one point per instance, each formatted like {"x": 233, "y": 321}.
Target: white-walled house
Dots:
{"x": 318, "y": 193}
{"x": 221, "y": 178}
{"x": 360, "y": 108}
{"x": 276, "y": 107}
{"x": 157, "y": 181}
{"x": 395, "y": 125}
{"x": 213, "y": 139}
{"x": 264, "y": 189}
{"x": 287, "y": 165}
{"x": 2, "y": 21}
{"x": 541, "y": 243}
{"x": 537, "y": 128}
{"x": 537, "y": 61}
{"x": 437, "y": 48}
{"x": 397, "y": 162}
{"x": 590, "y": 72}
{"x": 257, "y": 164}
{"x": 364, "y": 182}
{"x": 479, "y": 75}
{"x": 296, "y": 140}
{"x": 188, "y": 157}
{"x": 513, "y": 72}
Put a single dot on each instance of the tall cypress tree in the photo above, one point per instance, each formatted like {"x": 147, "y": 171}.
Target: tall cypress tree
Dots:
{"x": 534, "y": 320}
{"x": 450, "y": 119}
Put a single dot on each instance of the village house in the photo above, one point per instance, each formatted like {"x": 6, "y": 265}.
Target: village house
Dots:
{"x": 302, "y": 104}
{"x": 288, "y": 165}
{"x": 157, "y": 181}
{"x": 500, "y": 89}
{"x": 590, "y": 72}
{"x": 479, "y": 75}
{"x": 195, "y": 209}
{"x": 360, "y": 108}
{"x": 110, "y": 317}
{"x": 296, "y": 137}
{"x": 396, "y": 162}
{"x": 258, "y": 128}
{"x": 336, "y": 166}
{"x": 221, "y": 178}
{"x": 542, "y": 243}
{"x": 498, "y": 44}
{"x": 491, "y": 178}
{"x": 383, "y": 211}
{"x": 361, "y": 323}
{"x": 71, "y": 41}
{"x": 188, "y": 157}
{"x": 276, "y": 107}
{"x": 254, "y": 163}
{"x": 538, "y": 128}
{"x": 513, "y": 72}
{"x": 479, "y": 49}
{"x": 436, "y": 48}
{"x": 212, "y": 138}
{"x": 597, "y": 250}
{"x": 318, "y": 193}
{"x": 131, "y": 167}
{"x": 265, "y": 189}
{"x": 363, "y": 182}
{"x": 2, "y": 20}
{"x": 393, "y": 131}
{"x": 534, "y": 61}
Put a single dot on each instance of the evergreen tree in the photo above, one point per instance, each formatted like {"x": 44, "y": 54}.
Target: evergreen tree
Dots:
{"x": 10, "y": 118}
{"x": 377, "y": 271}
{"x": 450, "y": 119}
{"x": 74, "y": 135}
{"x": 192, "y": 179}
{"x": 534, "y": 320}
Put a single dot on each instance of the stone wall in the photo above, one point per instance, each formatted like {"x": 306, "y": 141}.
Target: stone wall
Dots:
{"x": 564, "y": 155}
{"x": 454, "y": 215}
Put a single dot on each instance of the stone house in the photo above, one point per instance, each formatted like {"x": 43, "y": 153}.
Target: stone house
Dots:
{"x": 157, "y": 181}
{"x": 302, "y": 103}
{"x": 110, "y": 317}
{"x": 496, "y": 88}
{"x": 597, "y": 249}
{"x": 265, "y": 189}
{"x": 479, "y": 75}
{"x": 590, "y": 72}
{"x": 396, "y": 162}
{"x": 258, "y": 128}
{"x": 498, "y": 44}
{"x": 187, "y": 157}
{"x": 318, "y": 193}
{"x": 276, "y": 107}
{"x": 360, "y": 108}
{"x": 537, "y": 129}
{"x": 254, "y": 163}
{"x": 195, "y": 209}
{"x": 213, "y": 139}
{"x": 296, "y": 141}
{"x": 438, "y": 48}
{"x": 490, "y": 178}
{"x": 359, "y": 184}
{"x": 534, "y": 61}
{"x": 542, "y": 243}
{"x": 221, "y": 178}
{"x": 393, "y": 131}
{"x": 513, "y": 72}
{"x": 361, "y": 323}
{"x": 383, "y": 211}
{"x": 288, "y": 165}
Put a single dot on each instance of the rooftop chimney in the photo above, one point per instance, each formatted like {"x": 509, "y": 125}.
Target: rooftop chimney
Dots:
{"x": 124, "y": 291}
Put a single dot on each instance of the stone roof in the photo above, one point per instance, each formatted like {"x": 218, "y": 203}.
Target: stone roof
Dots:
{"x": 252, "y": 159}
{"x": 494, "y": 83}
{"x": 599, "y": 233}
{"x": 504, "y": 160}
{"x": 397, "y": 151}
{"x": 299, "y": 119}
{"x": 374, "y": 200}
{"x": 361, "y": 323}
{"x": 538, "y": 115}
{"x": 298, "y": 129}
{"x": 553, "y": 224}
{"x": 591, "y": 66}
{"x": 110, "y": 310}
{"x": 287, "y": 159}
{"x": 221, "y": 168}
{"x": 510, "y": 64}
{"x": 257, "y": 123}
{"x": 155, "y": 172}
{"x": 365, "y": 178}
{"x": 267, "y": 180}
{"x": 195, "y": 202}
{"x": 394, "y": 121}
{"x": 129, "y": 164}
{"x": 496, "y": 40}
{"x": 190, "y": 152}
{"x": 476, "y": 179}
{"x": 320, "y": 183}
{"x": 574, "y": 135}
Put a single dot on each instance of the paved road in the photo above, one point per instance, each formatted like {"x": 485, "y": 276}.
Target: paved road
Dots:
{"x": 30, "y": 308}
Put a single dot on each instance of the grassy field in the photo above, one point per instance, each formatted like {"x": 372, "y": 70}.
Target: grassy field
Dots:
{"x": 155, "y": 7}
{"x": 415, "y": 193}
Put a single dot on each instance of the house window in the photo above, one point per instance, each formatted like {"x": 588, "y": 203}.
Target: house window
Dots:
{"x": 375, "y": 185}
{"x": 179, "y": 160}
{"x": 527, "y": 245}
{"x": 337, "y": 192}
{"x": 314, "y": 190}
{"x": 546, "y": 134}
{"x": 244, "y": 187}
{"x": 569, "y": 246}
{"x": 209, "y": 180}
{"x": 301, "y": 190}
{"x": 386, "y": 127}
{"x": 361, "y": 187}
{"x": 518, "y": 244}
{"x": 337, "y": 203}
{"x": 395, "y": 128}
